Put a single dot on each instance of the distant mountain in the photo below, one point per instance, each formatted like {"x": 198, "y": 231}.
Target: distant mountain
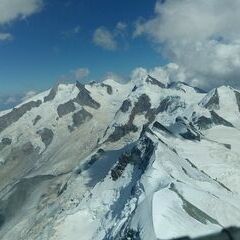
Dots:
{"x": 142, "y": 160}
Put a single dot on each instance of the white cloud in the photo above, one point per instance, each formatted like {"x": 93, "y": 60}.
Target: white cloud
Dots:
{"x": 80, "y": 73}
{"x": 71, "y": 32}
{"x": 111, "y": 40}
{"x": 29, "y": 95}
{"x": 202, "y": 36}
{"x": 8, "y": 101}
{"x": 139, "y": 75}
{"x": 104, "y": 38}
{"x": 5, "y": 36}
{"x": 11, "y": 10}
{"x": 11, "y": 100}
{"x": 165, "y": 74}
{"x": 116, "y": 77}
{"x": 121, "y": 26}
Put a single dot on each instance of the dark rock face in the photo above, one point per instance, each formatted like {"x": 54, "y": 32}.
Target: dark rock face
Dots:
{"x": 177, "y": 86}
{"x": 91, "y": 83}
{"x": 190, "y": 135}
{"x": 108, "y": 87}
{"x": 193, "y": 211}
{"x": 228, "y": 146}
{"x": 122, "y": 164}
{"x": 5, "y": 142}
{"x": 203, "y": 123}
{"x": 84, "y": 99}
{"x": 62, "y": 189}
{"x": 66, "y": 108}
{"x": 134, "y": 89}
{"x": 170, "y": 103}
{"x": 81, "y": 87}
{"x": 131, "y": 234}
{"x": 80, "y": 117}
{"x": 139, "y": 157}
{"x": 231, "y": 233}
{"x": 164, "y": 105}
{"x": 151, "y": 115}
{"x": 146, "y": 148}
{"x": 46, "y": 136}
{"x": 142, "y": 105}
{"x": 125, "y": 106}
{"x": 13, "y": 116}
{"x": 237, "y": 94}
{"x": 199, "y": 90}
{"x": 95, "y": 157}
{"x": 161, "y": 127}
{"x": 154, "y": 82}
{"x": 213, "y": 102}
{"x": 36, "y": 120}
{"x": 121, "y": 131}
{"x": 52, "y": 94}
{"x": 188, "y": 130}
{"x": 174, "y": 85}
{"x": 2, "y": 219}
{"x": 219, "y": 120}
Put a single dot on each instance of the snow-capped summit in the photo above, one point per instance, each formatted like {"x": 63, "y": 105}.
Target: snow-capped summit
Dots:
{"x": 224, "y": 101}
{"x": 142, "y": 160}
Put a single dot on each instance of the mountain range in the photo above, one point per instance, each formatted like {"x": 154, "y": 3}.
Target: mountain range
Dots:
{"x": 144, "y": 160}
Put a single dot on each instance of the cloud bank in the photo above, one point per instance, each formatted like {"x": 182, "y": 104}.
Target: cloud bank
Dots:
{"x": 11, "y": 10}
{"x": 201, "y": 36}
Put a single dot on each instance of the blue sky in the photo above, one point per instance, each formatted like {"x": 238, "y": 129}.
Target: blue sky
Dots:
{"x": 51, "y": 43}
{"x": 46, "y": 41}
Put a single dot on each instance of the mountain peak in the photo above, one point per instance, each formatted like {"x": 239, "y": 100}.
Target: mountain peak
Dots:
{"x": 154, "y": 81}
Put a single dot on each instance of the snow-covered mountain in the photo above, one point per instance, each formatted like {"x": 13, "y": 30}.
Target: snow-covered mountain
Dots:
{"x": 142, "y": 160}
